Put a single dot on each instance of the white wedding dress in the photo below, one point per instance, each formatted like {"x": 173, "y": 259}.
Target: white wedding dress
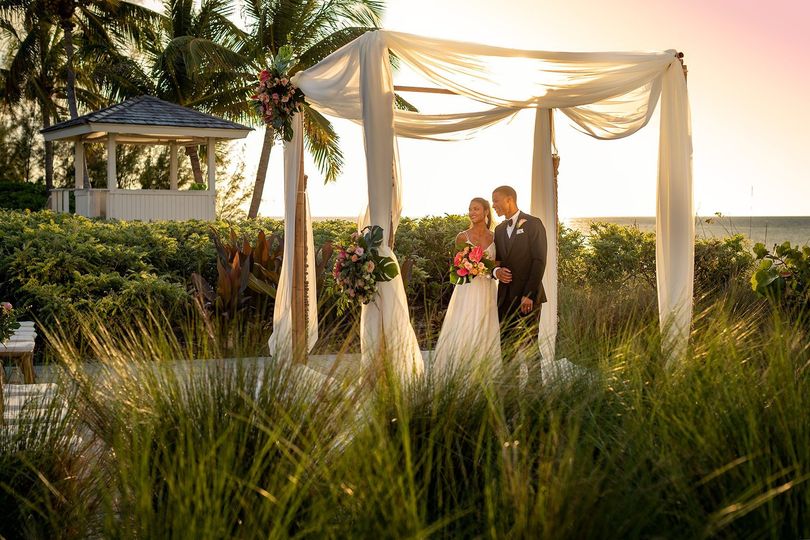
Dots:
{"x": 470, "y": 337}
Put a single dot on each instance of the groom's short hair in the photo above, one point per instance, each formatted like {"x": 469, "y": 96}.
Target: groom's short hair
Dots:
{"x": 507, "y": 191}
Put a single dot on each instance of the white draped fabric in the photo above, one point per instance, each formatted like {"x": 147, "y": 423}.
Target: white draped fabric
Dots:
{"x": 281, "y": 339}
{"x": 607, "y": 95}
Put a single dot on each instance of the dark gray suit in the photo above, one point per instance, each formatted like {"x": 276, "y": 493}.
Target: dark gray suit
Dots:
{"x": 524, "y": 253}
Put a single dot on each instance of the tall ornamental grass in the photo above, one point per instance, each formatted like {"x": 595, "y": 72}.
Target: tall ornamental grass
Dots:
{"x": 621, "y": 447}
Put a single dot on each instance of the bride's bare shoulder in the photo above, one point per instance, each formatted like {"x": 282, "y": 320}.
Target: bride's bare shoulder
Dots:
{"x": 463, "y": 237}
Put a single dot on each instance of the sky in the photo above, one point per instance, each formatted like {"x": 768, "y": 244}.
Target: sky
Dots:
{"x": 748, "y": 82}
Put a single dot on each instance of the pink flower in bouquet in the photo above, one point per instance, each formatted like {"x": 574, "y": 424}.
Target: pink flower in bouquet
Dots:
{"x": 462, "y": 272}
{"x": 7, "y": 307}
{"x": 285, "y": 99}
{"x": 476, "y": 254}
{"x": 370, "y": 266}
{"x": 342, "y": 254}
{"x": 359, "y": 251}
{"x": 275, "y": 96}
{"x": 457, "y": 260}
{"x": 355, "y": 258}
{"x": 264, "y": 75}
{"x": 284, "y": 80}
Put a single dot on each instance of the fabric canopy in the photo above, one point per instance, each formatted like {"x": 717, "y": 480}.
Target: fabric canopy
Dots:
{"x": 606, "y": 95}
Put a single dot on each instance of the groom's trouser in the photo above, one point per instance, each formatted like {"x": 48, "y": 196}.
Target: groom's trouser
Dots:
{"x": 517, "y": 330}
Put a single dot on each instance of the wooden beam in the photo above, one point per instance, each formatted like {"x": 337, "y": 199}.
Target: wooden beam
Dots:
{"x": 425, "y": 90}
{"x": 300, "y": 328}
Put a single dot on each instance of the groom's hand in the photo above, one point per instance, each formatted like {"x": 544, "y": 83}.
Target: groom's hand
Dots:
{"x": 504, "y": 275}
{"x": 526, "y": 305}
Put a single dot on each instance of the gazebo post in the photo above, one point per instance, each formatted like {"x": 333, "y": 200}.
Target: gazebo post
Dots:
{"x": 173, "y": 166}
{"x": 212, "y": 164}
{"x": 78, "y": 163}
{"x": 300, "y": 309}
{"x": 112, "y": 174}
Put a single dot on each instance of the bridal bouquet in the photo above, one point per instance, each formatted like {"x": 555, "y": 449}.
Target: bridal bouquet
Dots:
{"x": 277, "y": 99}
{"x": 471, "y": 261}
{"x": 359, "y": 266}
{"x": 8, "y": 321}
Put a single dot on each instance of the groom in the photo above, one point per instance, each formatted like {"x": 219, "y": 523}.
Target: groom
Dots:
{"x": 520, "y": 245}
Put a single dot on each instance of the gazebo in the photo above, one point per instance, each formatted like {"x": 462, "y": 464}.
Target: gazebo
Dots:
{"x": 142, "y": 120}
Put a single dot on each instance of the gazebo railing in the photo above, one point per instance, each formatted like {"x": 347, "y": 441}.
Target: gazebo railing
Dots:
{"x": 137, "y": 204}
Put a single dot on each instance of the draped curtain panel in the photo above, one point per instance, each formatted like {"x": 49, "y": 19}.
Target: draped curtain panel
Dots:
{"x": 281, "y": 339}
{"x": 608, "y": 95}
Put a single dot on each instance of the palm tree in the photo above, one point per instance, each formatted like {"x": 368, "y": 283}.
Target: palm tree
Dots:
{"x": 117, "y": 22}
{"x": 314, "y": 28}
{"x": 194, "y": 60}
{"x": 35, "y": 61}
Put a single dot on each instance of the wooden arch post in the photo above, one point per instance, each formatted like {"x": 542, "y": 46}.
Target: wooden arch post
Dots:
{"x": 300, "y": 287}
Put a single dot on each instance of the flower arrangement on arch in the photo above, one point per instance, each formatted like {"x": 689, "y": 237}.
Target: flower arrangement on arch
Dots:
{"x": 277, "y": 99}
{"x": 8, "y": 320}
{"x": 359, "y": 266}
{"x": 470, "y": 262}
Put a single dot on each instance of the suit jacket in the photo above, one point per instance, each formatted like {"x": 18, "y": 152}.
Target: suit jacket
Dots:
{"x": 525, "y": 255}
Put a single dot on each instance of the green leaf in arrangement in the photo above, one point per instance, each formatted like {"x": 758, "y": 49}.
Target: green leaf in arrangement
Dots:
{"x": 760, "y": 250}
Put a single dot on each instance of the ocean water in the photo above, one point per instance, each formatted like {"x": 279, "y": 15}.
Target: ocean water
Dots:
{"x": 769, "y": 230}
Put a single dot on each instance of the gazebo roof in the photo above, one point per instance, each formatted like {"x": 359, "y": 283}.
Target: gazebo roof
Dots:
{"x": 150, "y": 119}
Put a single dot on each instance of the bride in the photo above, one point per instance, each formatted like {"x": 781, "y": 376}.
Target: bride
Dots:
{"x": 470, "y": 337}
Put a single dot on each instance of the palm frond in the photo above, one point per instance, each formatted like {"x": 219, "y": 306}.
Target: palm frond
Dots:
{"x": 329, "y": 44}
{"x": 323, "y": 143}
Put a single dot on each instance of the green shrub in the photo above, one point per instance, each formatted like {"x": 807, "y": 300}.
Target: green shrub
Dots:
{"x": 784, "y": 275}
{"x": 22, "y": 196}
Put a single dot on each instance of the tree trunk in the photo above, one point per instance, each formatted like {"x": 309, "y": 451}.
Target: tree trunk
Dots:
{"x": 46, "y": 122}
{"x": 67, "y": 26}
{"x": 194, "y": 158}
{"x": 261, "y": 173}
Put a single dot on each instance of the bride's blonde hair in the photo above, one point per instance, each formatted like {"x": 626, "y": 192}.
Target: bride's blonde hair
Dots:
{"x": 489, "y": 218}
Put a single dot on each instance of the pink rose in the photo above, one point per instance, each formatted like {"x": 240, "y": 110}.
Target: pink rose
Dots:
{"x": 7, "y": 307}
{"x": 457, "y": 260}
{"x": 359, "y": 250}
{"x": 275, "y": 96}
{"x": 476, "y": 254}
{"x": 461, "y": 272}
{"x": 354, "y": 258}
{"x": 284, "y": 80}
{"x": 264, "y": 75}
{"x": 370, "y": 266}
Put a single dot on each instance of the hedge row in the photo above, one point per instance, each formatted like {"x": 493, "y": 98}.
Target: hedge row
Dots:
{"x": 62, "y": 265}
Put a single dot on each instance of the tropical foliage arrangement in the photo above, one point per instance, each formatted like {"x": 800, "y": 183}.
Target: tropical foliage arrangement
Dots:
{"x": 359, "y": 266}
{"x": 8, "y": 320}
{"x": 277, "y": 99}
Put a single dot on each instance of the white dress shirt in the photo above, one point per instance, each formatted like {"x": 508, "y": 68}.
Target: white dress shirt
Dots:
{"x": 511, "y": 228}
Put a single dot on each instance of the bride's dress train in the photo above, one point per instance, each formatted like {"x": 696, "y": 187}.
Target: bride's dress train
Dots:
{"x": 470, "y": 336}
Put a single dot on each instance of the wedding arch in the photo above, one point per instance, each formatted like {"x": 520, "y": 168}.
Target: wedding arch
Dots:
{"x": 607, "y": 95}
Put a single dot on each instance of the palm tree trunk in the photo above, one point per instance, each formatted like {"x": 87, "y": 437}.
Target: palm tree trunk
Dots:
{"x": 67, "y": 26}
{"x": 194, "y": 158}
{"x": 261, "y": 173}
